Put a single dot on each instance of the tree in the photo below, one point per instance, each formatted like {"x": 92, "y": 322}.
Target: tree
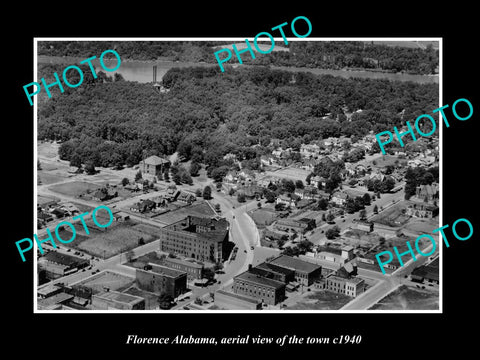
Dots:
{"x": 194, "y": 168}
{"x": 231, "y": 192}
{"x": 241, "y": 198}
{"x": 165, "y": 301}
{"x": 330, "y": 217}
{"x": 208, "y": 273}
{"x": 362, "y": 214}
{"x": 39, "y": 165}
{"x": 217, "y": 207}
{"x": 332, "y": 233}
{"x": 76, "y": 160}
{"x": 166, "y": 175}
{"x": 138, "y": 175}
{"x": 324, "y": 218}
{"x": 269, "y": 196}
{"x": 375, "y": 209}
{"x": 177, "y": 178}
{"x": 322, "y": 204}
{"x": 141, "y": 241}
{"x": 198, "y": 192}
{"x": 125, "y": 181}
{"x": 366, "y": 199}
{"x": 129, "y": 255}
{"x": 207, "y": 193}
{"x": 90, "y": 168}
{"x": 299, "y": 184}
{"x": 259, "y": 205}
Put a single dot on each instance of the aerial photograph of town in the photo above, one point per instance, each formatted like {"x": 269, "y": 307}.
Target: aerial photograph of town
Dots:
{"x": 258, "y": 188}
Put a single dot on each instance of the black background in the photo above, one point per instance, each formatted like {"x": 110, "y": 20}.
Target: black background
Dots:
{"x": 105, "y": 334}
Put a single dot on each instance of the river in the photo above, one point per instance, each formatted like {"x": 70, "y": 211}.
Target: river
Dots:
{"x": 142, "y": 71}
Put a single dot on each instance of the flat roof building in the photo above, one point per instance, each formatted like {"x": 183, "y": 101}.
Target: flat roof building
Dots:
{"x": 305, "y": 273}
{"x": 114, "y": 300}
{"x": 267, "y": 290}
{"x": 161, "y": 279}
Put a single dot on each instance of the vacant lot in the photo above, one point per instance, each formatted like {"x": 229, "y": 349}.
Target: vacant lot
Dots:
{"x": 47, "y": 149}
{"x": 117, "y": 238}
{"x": 74, "y": 188}
{"x": 45, "y": 178}
{"x": 408, "y": 298}
{"x": 108, "y": 279}
{"x": 320, "y": 300}
{"x": 262, "y": 217}
{"x": 393, "y": 216}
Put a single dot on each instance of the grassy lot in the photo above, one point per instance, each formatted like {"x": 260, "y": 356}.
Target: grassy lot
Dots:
{"x": 44, "y": 178}
{"x": 408, "y": 298}
{"x": 74, "y": 188}
{"x": 262, "y": 217}
{"x": 393, "y": 216}
{"x": 422, "y": 226}
{"x": 47, "y": 149}
{"x": 117, "y": 238}
{"x": 108, "y": 279}
{"x": 320, "y": 300}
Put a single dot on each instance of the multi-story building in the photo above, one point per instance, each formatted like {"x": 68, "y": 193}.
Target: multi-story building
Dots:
{"x": 161, "y": 279}
{"x": 154, "y": 165}
{"x": 193, "y": 269}
{"x": 203, "y": 239}
{"x": 305, "y": 273}
{"x": 272, "y": 271}
{"x": 256, "y": 286}
{"x": 352, "y": 286}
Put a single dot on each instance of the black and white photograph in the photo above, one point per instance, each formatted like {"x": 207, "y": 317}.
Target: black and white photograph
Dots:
{"x": 253, "y": 186}
{"x": 217, "y": 180}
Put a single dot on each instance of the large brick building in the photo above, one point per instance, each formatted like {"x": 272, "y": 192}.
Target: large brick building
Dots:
{"x": 203, "y": 239}
{"x": 256, "y": 286}
{"x": 154, "y": 165}
{"x": 305, "y": 273}
{"x": 161, "y": 279}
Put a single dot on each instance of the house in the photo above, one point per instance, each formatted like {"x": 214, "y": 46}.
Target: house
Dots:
{"x": 186, "y": 197}
{"x": 143, "y": 206}
{"x": 364, "y": 225}
{"x": 316, "y": 180}
{"x": 309, "y": 150}
{"x": 421, "y": 210}
{"x": 172, "y": 193}
{"x": 430, "y": 193}
{"x": 154, "y": 165}
{"x": 287, "y": 201}
{"x": 339, "y": 198}
{"x": 159, "y": 201}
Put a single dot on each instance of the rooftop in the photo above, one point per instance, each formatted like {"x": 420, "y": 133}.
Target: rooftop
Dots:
{"x": 119, "y": 297}
{"x": 295, "y": 264}
{"x": 155, "y": 160}
{"x": 163, "y": 270}
{"x": 248, "y": 276}
{"x": 190, "y": 263}
{"x": 238, "y": 296}
{"x": 64, "y": 259}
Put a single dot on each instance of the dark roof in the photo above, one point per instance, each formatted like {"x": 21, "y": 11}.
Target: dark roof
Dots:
{"x": 155, "y": 160}
{"x": 248, "y": 276}
{"x": 64, "y": 259}
{"x": 275, "y": 268}
{"x": 296, "y": 264}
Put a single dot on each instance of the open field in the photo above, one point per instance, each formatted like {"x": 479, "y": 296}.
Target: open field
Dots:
{"x": 262, "y": 217}
{"x": 74, "y": 188}
{"x": 320, "y": 300}
{"x": 422, "y": 226}
{"x": 393, "y": 216}
{"x": 290, "y": 173}
{"x": 47, "y": 149}
{"x": 112, "y": 280}
{"x": 409, "y": 44}
{"x": 408, "y": 298}
{"x": 117, "y": 238}
{"x": 45, "y": 178}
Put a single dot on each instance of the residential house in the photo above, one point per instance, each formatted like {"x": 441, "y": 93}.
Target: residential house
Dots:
{"x": 422, "y": 210}
{"x": 154, "y": 165}
{"x": 339, "y": 198}
{"x": 286, "y": 200}
{"x": 315, "y": 180}
{"x": 186, "y": 197}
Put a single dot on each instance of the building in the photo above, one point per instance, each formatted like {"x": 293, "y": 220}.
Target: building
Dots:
{"x": 161, "y": 279}
{"x": 114, "y": 300}
{"x": 318, "y": 180}
{"x": 193, "y": 269}
{"x": 229, "y": 300}
{"x": 203, "y": 239}
{"x": 427, "y": 273}
{"x": 291, "y": 225}
{"x": 154, "y": 165}
{"x": 305, "y": 273}
{"x": 57, "y": 264}
{"x": 364, "y": 225}
{"x": 268, "y": 291}
{"x": 421, "y": 210}
{"x": 335, "y": 255}
{"x": 272, "y": 271}
{"x": 339, "y": 198}
{"x": 55, "y": 302}
{"x": 186, "y": 197}
{"x": 286, "y": 200}
{"x": 351, "y": 287}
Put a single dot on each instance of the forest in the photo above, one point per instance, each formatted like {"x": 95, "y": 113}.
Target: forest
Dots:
{"x": 207, "y": 114}
{"x": 313, "y": 54}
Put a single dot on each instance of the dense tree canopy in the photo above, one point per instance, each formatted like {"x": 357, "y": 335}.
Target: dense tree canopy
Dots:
{"x": 207, "y": 114}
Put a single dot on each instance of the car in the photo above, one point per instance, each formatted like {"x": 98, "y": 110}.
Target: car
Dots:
{"x": 252, "y": 248}
{"x": 68, "y": 250}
